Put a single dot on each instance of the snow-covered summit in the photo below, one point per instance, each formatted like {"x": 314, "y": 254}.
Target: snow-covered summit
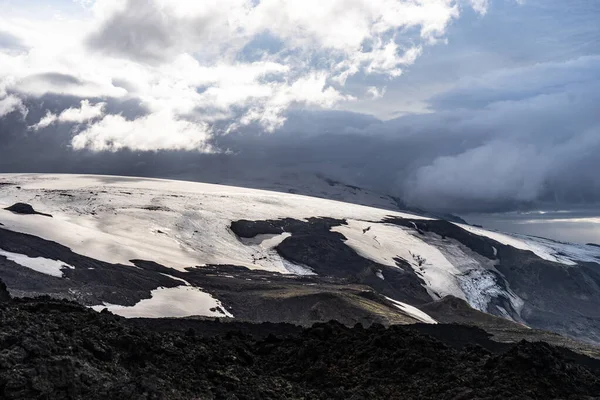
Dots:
{"x": 297, "y": 245}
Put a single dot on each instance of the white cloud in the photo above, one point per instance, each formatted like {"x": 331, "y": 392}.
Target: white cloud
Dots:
{"x": 155, "y": 131}
{"x": 496, "y": 171}
{"x": 480, "y": 6}
{"x": 11, "y": 103}
{"x": 45, "y": 122}
{"x": 203, "y": 62}
{"x": 86, "y": 112}
{"x": 375, "y": 92}
{"x": 84, "y": 3}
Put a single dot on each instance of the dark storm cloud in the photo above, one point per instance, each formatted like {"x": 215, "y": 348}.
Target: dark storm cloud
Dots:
{"x": 527, "y": 141}
{"x": 523, "y": 145}
{"x": 520, "y": 137}
{"x": 513, "y": 118}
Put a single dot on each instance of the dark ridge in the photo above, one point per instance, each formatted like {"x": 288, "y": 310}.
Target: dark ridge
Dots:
{"x": 260, "y": 296}
{"x": 249, "y": 229}
{"x": 92, "y": 282}
{"x": 477, "y": 243}
{"x": 593, "y": 244}
{"x": 333, "y": 182}
{"x": 313, "y": 244}
{"x": 156, "y": 208}
{"x": 58, "y": 349}
{"x": 26, "y": 209}
{"x": 4, "y": 295}
{"x": 402, "y": 206}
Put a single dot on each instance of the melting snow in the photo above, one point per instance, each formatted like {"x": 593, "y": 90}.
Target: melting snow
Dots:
{"x": 181, "y": 301}
{"x": 413, "y": 311}
{"x": 186, "y": 283}
{"x": 39, "y": 264}
{"x": 383, "y": 243}
{"x": 447, "y": 267}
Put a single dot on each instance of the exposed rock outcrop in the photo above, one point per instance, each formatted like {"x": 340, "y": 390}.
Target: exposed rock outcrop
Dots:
{"x": 26, "y": 209}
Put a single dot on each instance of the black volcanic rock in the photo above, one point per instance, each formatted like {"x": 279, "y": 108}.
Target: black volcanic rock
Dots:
{"x": 91, "y": 282}
{"x": 53, "y": 349}
{"x": 26, "y": 209}
{"x": 479, "y": 244}
{"x": 4, "y": 295}
{"x": 313, "y": 244}
{"x": 249, "y": 229}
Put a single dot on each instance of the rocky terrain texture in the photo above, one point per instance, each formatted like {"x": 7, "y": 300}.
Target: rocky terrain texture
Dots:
{"x": 557, "y": 297}
{"x": 56, "y": 349}
{"x": 26, "y": 209}
{"x": 144, "y": 247}
{"x": 351, "y": 294}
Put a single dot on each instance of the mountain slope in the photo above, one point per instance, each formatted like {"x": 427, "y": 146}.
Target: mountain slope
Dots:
{"x": 157, "y": 248}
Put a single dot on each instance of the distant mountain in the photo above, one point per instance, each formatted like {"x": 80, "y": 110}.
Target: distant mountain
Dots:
{"x": 158, "y": 248}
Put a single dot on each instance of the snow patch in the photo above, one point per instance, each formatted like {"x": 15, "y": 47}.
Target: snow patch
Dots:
{"x": 413, "y": 311}
{"x": 177, "y": 302}
{"x": 296, "y": 269}
{"x": 38, "y": 264}
{"x": 383, "y": 243}
{"x": 266, "y": 241}
{"x": 186, "y": 283}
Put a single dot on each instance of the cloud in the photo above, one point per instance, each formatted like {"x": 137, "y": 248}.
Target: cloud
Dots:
{"x": 517, "y": 139}
{"x": 522, "y": 143}
{"x": 493, "y": 173}
{"x": 498, "y": 102}
{"x": 64, "y": 84}
{"x": 158, "y": 130}
{"x": 480, "y": 6}
{"x": 375, "y": 92}
{"x": 85, "y": 113}
{"x": 10, "y": 42}
{"x": 9, "y": 104}
{"x": 221, "y": 65}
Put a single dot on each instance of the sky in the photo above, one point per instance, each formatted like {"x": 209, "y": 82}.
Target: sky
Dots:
{"x": 452, "y": 105}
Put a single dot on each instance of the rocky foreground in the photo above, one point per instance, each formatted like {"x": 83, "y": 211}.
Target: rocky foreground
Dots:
{"x": 52, "y": 349}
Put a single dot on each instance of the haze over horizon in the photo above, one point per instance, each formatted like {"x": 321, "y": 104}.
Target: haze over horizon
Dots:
{"x": 461, "y": 106}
